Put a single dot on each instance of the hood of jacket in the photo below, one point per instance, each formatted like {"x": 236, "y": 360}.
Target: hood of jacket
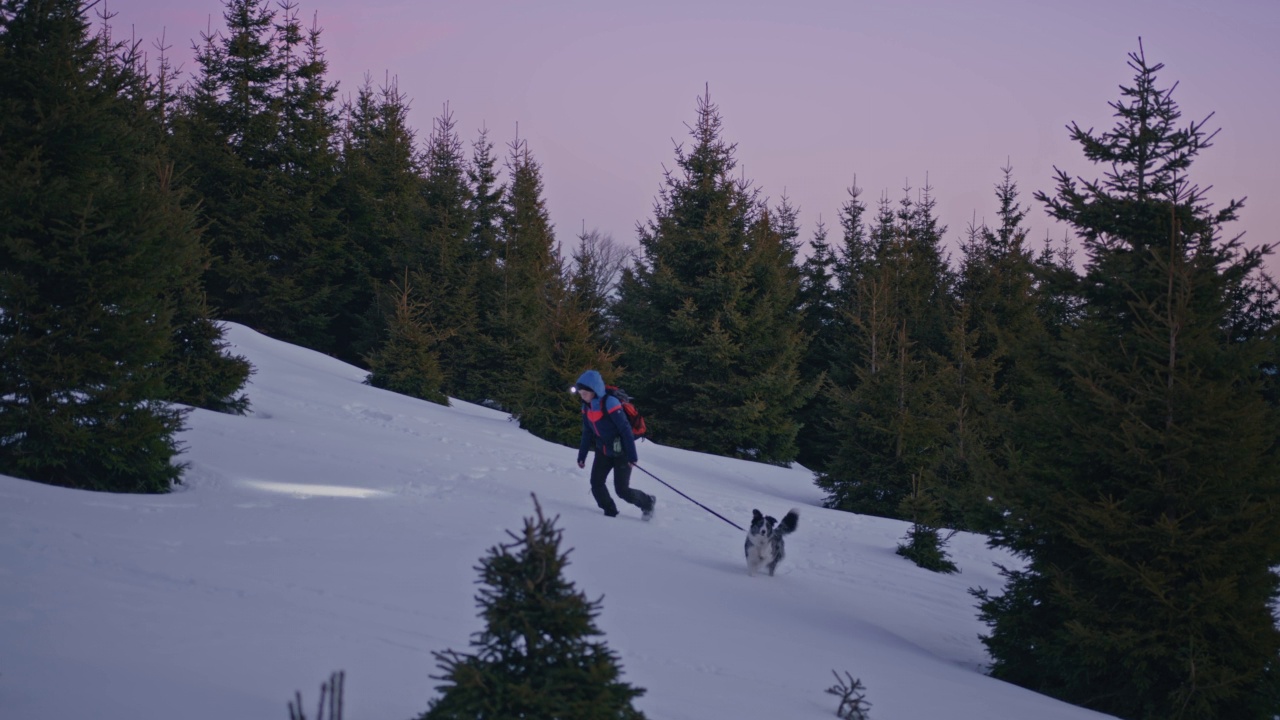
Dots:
{"x": 591, "y": 379}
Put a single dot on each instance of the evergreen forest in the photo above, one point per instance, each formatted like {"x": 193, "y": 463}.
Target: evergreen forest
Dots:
{"x": 1107, "y": 407}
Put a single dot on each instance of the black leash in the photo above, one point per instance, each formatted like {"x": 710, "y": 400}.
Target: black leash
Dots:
{"x": 686, "y": 497}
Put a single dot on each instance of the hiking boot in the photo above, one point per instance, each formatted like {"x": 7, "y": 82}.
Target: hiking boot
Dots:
{"x": 611, "y": 514}
{"x": 648, "y": 512}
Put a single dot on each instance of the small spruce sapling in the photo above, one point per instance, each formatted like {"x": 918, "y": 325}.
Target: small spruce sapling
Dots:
{"x": 536, "y": 657}
{"x": 925, "y": 545}
{"x": 853, "y": 698}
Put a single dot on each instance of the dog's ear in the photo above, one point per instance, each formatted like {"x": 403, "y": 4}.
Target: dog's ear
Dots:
{"x": 756, "y": 516}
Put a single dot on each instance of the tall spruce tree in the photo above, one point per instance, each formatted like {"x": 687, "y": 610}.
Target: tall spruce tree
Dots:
{"x": 829, "y": 346}
{"x": 443, "y": 256}
{"x": 486, "y": 207}
{"x": 892, "y": 418}
{"x": 767, "y": 376}
{"x": 257, "y": 134}
{"x": 829, "y": 292}
{"x": 1146, "y": 513}
{"x": 317, "y": 269}
{"x": 527, "y": 267}
{"x": 378, "y": 191}
{"x": 925, "y": 285}
{"x": 537, "y": 656}
{"x": 974, "y": 426}
{"x": 818, "y": 308}
{"x": 198, "y": 370}
{"x": 225, "y": 140}
{"x": 997, "y": 275}
{"x": 999, "y": 350}
{"x": 855, "y": 250}
{"x": 887, "y": 435}
{"x": 98, "y": 253}
{"x": 817, "y": 297}
{"x": 356, "y": 206}
{"x": 706, "y": 318}
{"x": 486, "y": 197}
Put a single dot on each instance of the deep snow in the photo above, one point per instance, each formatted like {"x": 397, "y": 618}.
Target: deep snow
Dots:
{"x": 338, "y": 526}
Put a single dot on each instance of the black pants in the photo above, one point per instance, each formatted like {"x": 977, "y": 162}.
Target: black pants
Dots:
{"x": 600, "y": 468}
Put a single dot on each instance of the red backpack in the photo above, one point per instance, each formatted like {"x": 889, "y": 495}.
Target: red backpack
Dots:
{"x": 633, "y": 415}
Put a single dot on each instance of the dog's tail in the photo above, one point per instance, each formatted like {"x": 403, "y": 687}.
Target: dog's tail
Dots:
{"x": 788, "y": 524}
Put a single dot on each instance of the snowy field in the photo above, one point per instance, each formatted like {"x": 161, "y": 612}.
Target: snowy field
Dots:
{"x": 337, "y": 527}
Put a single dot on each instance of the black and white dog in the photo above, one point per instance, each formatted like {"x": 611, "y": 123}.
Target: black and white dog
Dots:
{"x": 765, "y": 546}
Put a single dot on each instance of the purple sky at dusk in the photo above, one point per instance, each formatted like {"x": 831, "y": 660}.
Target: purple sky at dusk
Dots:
{"x": 812, "y": 91}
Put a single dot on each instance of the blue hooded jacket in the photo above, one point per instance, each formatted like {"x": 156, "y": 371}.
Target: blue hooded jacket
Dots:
{"x": 604, "y": 422}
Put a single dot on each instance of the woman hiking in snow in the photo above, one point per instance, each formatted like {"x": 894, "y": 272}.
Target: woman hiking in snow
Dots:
{"x": 605, "y": 426}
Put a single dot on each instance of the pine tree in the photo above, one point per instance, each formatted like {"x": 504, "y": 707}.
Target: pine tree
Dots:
{"x": 378, "y": 192}
{"x": 408, "y": 362}
{"x": 891, "y": 419}
{"x": 163, "y": 98}
{"x": 924, "y": 284}
{"x": 817, "y": 296}
{"x": 356, "y": 205}
{"x": 856, "y": 250}
{"x": 998, "y": 354}
{"x": 1145, "y": 515}
{"x": 997, "y": 276}
{"x": 888, "y": 422}
{"x": 767, "y": 386}
{"x": 443, "y": 255}
{"x": 924, "y": 544}
{"x": 828, "y": 356}
{"x": 314, "y": 271}
{"x": 226, "y": 140}
{"x": 198, "y": 370}
{"x": 706, "y": 315}
{"x": 488, "y": 199}
{"x": 831, "y": 279}
{"x": 536, "y": 657}
{"x": 98, "y": 252}
{"x": 258, "y": 134}
{"x": 563, "y": 346}
{"x": 528, "y": 266}
{"x": 976, "y": 427}
{"x": 1059, "y": 304}
{"x": 568, "y": 339}
{"x": 545, "y": 326}
{"x": 818, "y": 308}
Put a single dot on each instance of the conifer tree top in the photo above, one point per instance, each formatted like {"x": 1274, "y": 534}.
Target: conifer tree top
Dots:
{"x": 1147, "y": 153}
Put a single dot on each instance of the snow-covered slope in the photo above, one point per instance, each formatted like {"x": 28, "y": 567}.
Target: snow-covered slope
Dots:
{"x": 337, "y": 526}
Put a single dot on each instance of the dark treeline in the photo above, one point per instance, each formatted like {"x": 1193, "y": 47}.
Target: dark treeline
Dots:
{"x": 1114, "y": 426}
{"x": 331, "y": 225}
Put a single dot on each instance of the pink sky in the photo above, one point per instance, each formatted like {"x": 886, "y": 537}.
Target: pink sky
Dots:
{"x": 812, "y": 91}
